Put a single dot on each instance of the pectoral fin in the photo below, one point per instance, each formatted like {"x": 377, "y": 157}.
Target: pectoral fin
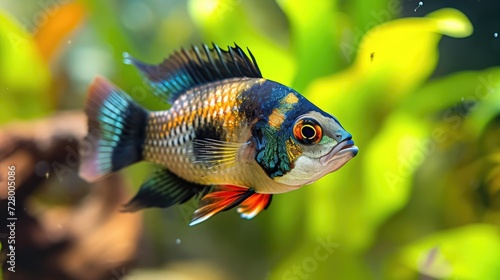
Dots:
{"x": 216, "y": 152}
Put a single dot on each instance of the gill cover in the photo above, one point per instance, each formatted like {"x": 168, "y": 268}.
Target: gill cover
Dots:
{"x": 271, "y": 149}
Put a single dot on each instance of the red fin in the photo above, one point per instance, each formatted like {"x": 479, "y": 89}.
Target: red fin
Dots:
{"x": 221, "y": 199}
{"x": 254, "y": 205}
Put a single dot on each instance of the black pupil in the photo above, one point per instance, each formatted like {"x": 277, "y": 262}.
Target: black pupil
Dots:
{"x": 308, "y": 132}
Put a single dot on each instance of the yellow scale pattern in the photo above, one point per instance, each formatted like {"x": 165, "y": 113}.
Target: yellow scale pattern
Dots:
{"x": 169, "y": 134}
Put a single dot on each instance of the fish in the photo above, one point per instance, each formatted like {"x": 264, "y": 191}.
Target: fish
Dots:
{"x": 230, "y": 137}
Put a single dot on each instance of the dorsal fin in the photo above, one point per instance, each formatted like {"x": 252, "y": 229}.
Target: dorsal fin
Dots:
{"x": 186, "y": 69}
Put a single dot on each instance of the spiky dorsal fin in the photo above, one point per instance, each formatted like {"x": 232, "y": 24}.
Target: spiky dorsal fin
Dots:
{"x": 186, "y": 69}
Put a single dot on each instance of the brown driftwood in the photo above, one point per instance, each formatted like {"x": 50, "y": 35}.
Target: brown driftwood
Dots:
{"x": 85, "y": 238}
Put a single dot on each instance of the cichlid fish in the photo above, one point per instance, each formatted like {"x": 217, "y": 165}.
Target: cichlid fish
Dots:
{"x": 230, "y": 136}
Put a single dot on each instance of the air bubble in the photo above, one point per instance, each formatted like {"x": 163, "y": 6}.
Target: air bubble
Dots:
{"x": 420, "y": 4}
{"x": 42, "y": 168}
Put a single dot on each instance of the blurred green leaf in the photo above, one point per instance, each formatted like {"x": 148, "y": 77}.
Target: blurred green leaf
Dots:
{"x": 469, "y": 252}
{"x": 105, "y": 18}
{"x": 475, "y": 93}
{"x": 226, "y": 21}
{"x": 388, "y": 67}
{"x": 314, "y": 48}
{"x": 24, "y": 77}
{"x": 321, "y": 258}
{"x": 391, "y": 159}
{"x": 474, "y": 86}
{"x": 396, "y": 57}
{"x": 369, "y": 14}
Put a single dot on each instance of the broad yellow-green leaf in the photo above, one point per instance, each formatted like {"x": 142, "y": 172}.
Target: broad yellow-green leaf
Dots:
{"x": 363, "y": 16}
{"x": 391, "y": 158}
{"x": 393, "y": 59}
{"x": 24, "y": 77}
{"x": 469, "y": 252}
{"x": 405, "y": 50}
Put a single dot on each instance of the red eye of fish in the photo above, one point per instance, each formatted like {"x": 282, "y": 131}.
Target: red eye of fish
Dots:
{"x": 307, "y": 131}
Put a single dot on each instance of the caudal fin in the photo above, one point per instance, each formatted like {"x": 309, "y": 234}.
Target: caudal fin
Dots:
{"x": 116, "y": 131}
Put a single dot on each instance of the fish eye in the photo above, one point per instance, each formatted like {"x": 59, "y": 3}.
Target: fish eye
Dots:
{"x": 307, "y": 131}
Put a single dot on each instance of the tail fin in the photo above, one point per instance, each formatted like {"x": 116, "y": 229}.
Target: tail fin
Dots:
{"x": 117, "y": 128}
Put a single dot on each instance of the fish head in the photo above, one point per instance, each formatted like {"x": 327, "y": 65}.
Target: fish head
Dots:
{"x": 324, "y": 145}
{"x": 298, "y": 143}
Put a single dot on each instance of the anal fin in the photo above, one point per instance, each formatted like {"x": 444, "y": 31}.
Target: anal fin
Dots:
{"x": 163, "y": 189}
{"x": 223, "y": 198}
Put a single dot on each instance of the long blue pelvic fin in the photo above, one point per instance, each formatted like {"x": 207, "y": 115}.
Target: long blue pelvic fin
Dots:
{"x": 164, "y": 189}
{"x": 116, "y": 131}
{"x": 186, "y": 69}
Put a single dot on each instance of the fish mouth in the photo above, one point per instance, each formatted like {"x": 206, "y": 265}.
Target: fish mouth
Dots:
{"x": 344, "y": 150}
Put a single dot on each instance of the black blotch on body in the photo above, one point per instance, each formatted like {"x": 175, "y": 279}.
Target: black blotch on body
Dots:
{"x": 259, "y": 100}
{"x": 213, "y": 131}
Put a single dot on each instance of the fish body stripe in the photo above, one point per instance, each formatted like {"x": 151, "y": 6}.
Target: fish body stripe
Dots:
{"x": 212, "y": 111}
{"x": 278, "y": 115}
